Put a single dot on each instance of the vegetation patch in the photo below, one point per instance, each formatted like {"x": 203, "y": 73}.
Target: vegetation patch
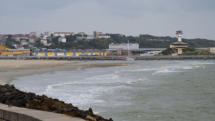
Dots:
{"x": 192, "y": 51}
{"x": 187, "y": 51}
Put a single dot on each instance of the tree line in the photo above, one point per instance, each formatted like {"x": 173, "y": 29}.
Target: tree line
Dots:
{"x": 145, "y": 41}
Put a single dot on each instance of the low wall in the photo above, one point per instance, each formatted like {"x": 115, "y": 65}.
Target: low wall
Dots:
{"x": 65, "y": 58}
{"x": 184, "y": 57}
{"x": 11, "y": 113}
{"x": 13, "y": 116}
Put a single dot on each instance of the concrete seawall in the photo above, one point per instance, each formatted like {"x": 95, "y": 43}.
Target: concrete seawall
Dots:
{"x": 112, "y": 57}
{"x": 22, "y": 114}
{"x": 183, "y": 57}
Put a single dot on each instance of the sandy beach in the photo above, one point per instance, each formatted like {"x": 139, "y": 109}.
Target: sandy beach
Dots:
{"x": 11, "y": 69}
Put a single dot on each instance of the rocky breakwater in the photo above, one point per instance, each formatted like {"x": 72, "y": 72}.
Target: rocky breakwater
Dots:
{"x": 13, "y": 97}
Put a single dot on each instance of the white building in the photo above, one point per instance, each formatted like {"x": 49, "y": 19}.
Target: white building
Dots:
{"x": 63, "y": 34}
{"x": 62, "y": 39}
{"x": 212, "y": 49}
{"x": 31, "y": 40}
{"x": 81, "y": 36}
{"x": 47, "y": 33}
{"x": 124, "y": 46}
{"x": 36, "y": 34}
{"x": 44, "y": 42}
{"x": 24, "y": 42}
{"x": 45, "y": 37}
{"x": 90, "y": 37}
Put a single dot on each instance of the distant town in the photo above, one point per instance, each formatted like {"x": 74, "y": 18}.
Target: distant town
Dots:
{"x": 44, "y": 38}
{"x": 100, "y": 44}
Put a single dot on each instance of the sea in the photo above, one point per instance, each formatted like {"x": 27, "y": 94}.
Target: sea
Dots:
{"x": 166, "y": 90}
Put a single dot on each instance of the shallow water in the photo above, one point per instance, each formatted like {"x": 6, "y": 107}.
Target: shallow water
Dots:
{"x": 145, "y": 91}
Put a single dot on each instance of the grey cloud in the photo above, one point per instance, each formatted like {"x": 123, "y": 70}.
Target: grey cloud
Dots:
{"x": 159, "y": 17}
{"x": 29, "y": 7}
{"x": 139, "y": 7}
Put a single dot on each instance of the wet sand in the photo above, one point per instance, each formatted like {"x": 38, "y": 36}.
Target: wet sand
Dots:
{"x": 11, "y": 69}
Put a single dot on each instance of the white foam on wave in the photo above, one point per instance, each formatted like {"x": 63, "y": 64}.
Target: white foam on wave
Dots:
{"x": 187, "y": 67}
{"x": 86, "y": 87}
{"x": 78, "y": 95}
{"x": 173, "y": 69}
{"x": 105, "y": 78}
{"x": 141, "y": 70}
{"x": 93, "y": 80}
{"x": 114, "y": 78}
{"x": 180, "y": 67}
{"x": 168, "y": 67}
{"x": 163, "y": 71}
{"x": 83, "y": 96}
{"x": 50, "y": 87}
{"x": 134, "y": 81}
{"x": 87, "y": 91}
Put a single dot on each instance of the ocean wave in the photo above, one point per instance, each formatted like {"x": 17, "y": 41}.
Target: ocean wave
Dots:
{"x": 80, "y": 95}
{"x": 134, "y": 81}
{"x": 141, "y": 70}
{"x": 111, "y": 76}
{"x": 165, "y": 71}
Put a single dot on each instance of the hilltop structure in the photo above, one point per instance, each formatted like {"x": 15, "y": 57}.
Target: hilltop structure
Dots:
{"x": 179, "y": 45}
{"x": 100, "y": 35}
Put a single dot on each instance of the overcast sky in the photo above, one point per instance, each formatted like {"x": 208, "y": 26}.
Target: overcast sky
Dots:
{"x": 131, "y": 17}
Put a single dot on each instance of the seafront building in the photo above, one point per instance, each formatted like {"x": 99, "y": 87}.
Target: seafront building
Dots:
{"x": 212, "y": 49}
{"x": 4, "y": 51}
{"x": 73, "y": 53}
{"x": 124, "y": 46}
{"x": 123, "y": 49}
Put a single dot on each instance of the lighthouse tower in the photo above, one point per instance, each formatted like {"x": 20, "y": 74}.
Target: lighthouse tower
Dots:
{"x": 179, "y": 34}
{"x": 179, "y": 45}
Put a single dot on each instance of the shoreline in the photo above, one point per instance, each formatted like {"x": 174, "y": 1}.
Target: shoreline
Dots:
{"x": 105, "y": 58}
{"x": 12, "y": 69}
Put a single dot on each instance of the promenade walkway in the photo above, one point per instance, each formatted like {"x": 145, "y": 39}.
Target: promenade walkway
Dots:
{"x": 182, "y": 57}
{"x": 10, "y": 113}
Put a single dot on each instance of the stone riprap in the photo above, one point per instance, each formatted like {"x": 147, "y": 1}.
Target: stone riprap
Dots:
{"x": 10, "y": 96}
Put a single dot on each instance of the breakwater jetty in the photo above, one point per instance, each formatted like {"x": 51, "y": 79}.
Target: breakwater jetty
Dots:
{"x": 10, "y": 96}
{"x": 183, "y": 57}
